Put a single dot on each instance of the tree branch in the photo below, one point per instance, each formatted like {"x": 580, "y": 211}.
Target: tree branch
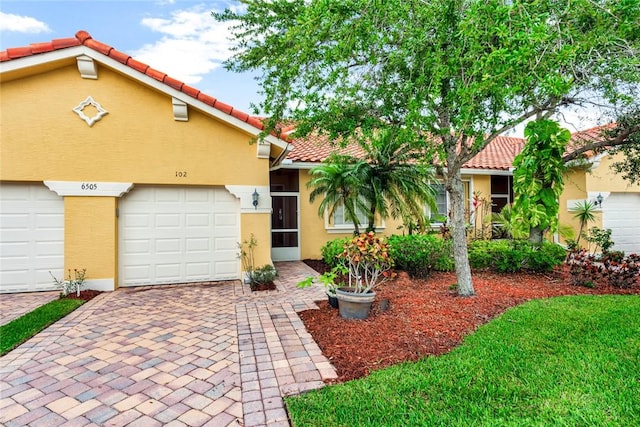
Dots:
{"x": 620, "y": 139}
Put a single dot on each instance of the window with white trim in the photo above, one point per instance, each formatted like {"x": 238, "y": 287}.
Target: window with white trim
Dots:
{"x": 339, "y": 223}
{"x": 443, "y": 204}
{"x": 340, "y": 220}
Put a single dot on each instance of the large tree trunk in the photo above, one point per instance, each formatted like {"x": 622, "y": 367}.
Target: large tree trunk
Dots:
{"x": 535, "y": 235}
{"x": 460, "y": 254}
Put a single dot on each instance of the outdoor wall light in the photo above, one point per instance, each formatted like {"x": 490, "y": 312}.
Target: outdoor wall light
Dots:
{"x": 255, "y": 197}
{"x": 599, "y": 200}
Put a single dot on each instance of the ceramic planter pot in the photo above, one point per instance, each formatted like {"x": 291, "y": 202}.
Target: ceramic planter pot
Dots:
{"x": 354, "y": 305}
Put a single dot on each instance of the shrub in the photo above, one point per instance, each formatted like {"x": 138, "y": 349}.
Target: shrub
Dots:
{"x": 331, "y": 251}
{"x": 368, "y": 260}
{"x": 262, "y": 276}
{"x": 545, "y": 257}
{"x": 508, "y": 256}
{"x": 419, "y": 254}
{"x": 481, "y": 253}
{"x": 621, "y": 271}
{"x": 584, "y": 270}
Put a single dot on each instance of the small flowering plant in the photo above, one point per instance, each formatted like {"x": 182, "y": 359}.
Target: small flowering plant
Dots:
{"x": 368, "y": 261}
{"x": 71, "y": 284}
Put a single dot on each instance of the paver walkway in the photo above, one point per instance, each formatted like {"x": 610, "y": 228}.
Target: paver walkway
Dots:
{"x": 210, "y": 354}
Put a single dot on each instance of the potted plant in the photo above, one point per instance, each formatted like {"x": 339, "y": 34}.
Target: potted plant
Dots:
{"x": 369, "y": 264}
{"x": 329, "y": 281}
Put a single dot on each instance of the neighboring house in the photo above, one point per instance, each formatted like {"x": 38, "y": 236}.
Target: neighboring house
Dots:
{"x": 110, "y": 165}
{"x": 620, "y": 207}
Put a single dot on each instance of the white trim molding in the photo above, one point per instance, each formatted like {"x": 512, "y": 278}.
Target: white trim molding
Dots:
{"x": 100, "y": 284}
{"x": 245, "y": 194}
{"x": 90, "y": 120}
{"x": 89, "y": 188}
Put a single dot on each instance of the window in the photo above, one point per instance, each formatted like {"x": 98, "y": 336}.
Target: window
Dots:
{"x": 339, "y": 224}
{"x": 443, "y": 205}
{"x": 339, "y": 219}
{"x": 501, "y": 192}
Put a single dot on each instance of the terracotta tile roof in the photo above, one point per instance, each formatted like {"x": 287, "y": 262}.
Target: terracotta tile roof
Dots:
{"x": 84, "y": 38}
{"x": 498, "y": 155}
{"x": 316, "y": 148}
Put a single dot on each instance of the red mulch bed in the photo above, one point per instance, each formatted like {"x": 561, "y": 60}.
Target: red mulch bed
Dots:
{"x": 426, "y": 317}
{"x": 87, "y": 295}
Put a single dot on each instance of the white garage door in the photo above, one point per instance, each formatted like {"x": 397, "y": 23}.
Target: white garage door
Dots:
{"x": 31, "y": 237}
{"x": 178, "y": 235}
{"x": 621, "y": 213}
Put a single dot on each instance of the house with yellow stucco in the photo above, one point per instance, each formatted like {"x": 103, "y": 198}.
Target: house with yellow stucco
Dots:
{"x": 109, "y": 165}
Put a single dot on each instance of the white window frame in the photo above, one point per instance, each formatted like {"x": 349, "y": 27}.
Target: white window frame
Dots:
{"x": 346, "y": 226}
{"x": 427, "y": 210}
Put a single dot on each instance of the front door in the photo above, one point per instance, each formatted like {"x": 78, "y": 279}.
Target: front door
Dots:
{"x": 285, "y": 236}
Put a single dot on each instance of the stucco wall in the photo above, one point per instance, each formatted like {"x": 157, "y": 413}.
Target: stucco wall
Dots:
{"x": 603, "y": 179}
{"x": 138, "y": 141}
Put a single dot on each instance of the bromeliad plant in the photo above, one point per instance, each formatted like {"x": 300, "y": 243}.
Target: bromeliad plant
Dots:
{"x": 368, "y": 261}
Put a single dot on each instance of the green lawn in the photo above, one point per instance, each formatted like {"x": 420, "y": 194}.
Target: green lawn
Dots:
{"x": 567, "y": 361}
{"x": 21, "y": 329}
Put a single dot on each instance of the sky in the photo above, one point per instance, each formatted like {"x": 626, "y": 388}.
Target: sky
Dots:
{"x": 177, "y": 37}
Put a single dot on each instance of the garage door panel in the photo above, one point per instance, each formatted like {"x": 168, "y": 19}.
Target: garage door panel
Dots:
{"x": 13, "y": 222}
{"x": 183, "y": 231}
{"x": 620, "y": 214}
{"x": 198, "y": 270}
{"x": 226, "y": 270}
{"x": 168, "y": 246}
{"x": 31, "y": 237}
{"x": 197, "y": 245}
{"x": 167, "y": 221}
{"x": 198, "y": 220}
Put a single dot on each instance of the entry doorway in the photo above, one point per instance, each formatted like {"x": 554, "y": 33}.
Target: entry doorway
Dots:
{"x": 285, "y": 235}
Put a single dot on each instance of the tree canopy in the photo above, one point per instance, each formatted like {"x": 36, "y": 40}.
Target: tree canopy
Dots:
{"x": 448, "y": 76}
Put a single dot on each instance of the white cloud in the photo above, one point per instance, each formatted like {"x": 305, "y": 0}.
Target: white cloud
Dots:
{"x": 22, "y": 24}
{"x": 193, "y": 44}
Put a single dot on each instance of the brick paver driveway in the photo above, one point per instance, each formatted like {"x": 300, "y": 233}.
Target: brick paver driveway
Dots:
{"x": 208, "y": 354}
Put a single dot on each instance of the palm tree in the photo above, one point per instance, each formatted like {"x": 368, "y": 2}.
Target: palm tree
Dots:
{"x": 399, "y": 182}
{"x": 584, "y": 212}
{"x": 338, "y": 181}
{"x": 391, "y": 181}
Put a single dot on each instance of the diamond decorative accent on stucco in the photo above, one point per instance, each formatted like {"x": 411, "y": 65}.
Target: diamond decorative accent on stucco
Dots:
{"x": 90, "y": 120}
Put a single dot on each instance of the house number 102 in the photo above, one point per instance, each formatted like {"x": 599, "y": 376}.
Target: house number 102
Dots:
{"x": 181, "y": 174}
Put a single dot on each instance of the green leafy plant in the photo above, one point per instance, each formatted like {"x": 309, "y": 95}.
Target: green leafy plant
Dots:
{"x": 332, "y": 249}
{"x": 538, "y": 178}
{"x": 71, "y": 284}
{"x": 508, "y": 256}
{"x": 585, "y": 213}
{"x": 368, "y": 262}
{"x": 255, "y": 276}
{"x": 600, "y": 238}
{"x": 419, "y": 254}
{"x": 329, "y": 279}
{"x": 545, "y": 257}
